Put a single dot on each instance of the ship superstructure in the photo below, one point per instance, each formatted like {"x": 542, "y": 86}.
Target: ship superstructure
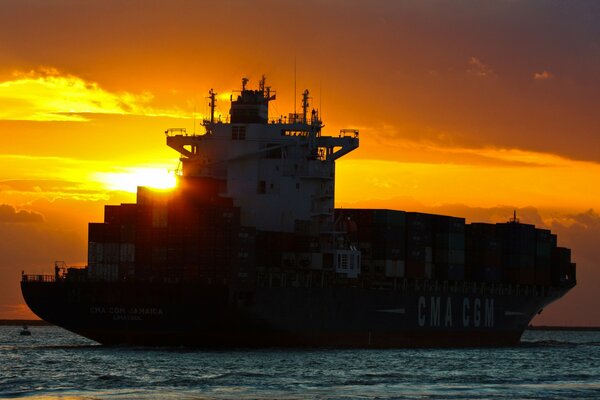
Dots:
{"x": 249, "y": 250}
{"x": 280, "y": 173}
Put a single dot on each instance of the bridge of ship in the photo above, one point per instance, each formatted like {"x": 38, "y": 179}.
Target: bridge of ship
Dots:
{"x": 328, "y": 148}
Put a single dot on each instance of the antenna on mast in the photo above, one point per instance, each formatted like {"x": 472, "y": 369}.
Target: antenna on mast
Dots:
{"x": 304, "y": 104}
{"x": 212, "y": 104}
{"x": 320, "y": 102}
{"x": 514, "y": 219}
{"x": 294, "y": 85}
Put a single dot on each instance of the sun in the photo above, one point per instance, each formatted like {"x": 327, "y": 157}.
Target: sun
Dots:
{"x": 131, "y": 178}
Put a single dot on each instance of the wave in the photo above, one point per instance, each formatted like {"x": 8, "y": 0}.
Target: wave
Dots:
{"x": 558, "y": 343}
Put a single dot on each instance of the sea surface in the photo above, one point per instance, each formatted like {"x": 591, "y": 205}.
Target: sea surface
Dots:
{"x": 54, "y": 363}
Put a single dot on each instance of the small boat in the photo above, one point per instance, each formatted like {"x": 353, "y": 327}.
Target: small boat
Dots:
{"x": 25, "y": 331}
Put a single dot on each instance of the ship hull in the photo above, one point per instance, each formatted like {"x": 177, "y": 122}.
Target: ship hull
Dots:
{"x": 413, "y": 315}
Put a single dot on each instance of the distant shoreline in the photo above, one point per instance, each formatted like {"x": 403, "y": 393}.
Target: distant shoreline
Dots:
{"x": 39, "y": 322}
{"x": 21, "y": 322}
{"x": 563, "y": 328}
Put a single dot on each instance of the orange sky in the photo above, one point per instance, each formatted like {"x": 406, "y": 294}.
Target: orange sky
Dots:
{"x": 465, "y": 108}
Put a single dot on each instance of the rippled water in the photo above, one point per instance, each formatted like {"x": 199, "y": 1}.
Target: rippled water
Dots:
{"x": 55, "y": 363}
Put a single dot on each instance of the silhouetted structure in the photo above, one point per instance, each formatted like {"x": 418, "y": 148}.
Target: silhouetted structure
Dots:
{"x": 248, "y": 250}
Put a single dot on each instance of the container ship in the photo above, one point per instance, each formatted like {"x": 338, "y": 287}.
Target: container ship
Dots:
{"x": 249, "y": 251}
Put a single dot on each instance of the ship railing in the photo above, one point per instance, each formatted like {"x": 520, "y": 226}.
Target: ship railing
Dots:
{"x": 346, "y": 132}
{"x": 38, "y": 278}
{"x": 176, "y": 131}
{"x": 219, "y": 119}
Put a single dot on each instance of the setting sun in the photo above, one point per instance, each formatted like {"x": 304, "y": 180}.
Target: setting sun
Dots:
{"x": 131, "y": 178}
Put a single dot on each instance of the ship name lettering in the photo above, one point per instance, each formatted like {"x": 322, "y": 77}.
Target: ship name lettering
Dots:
{"x": 448, "y": 319}
{"x": 146, "y": 311}
{"x": 126, "y": 317}
{"x": 97, "y": 310}
{"x": 435, "y": 311}
{"x": 476, "y": 312}
{"x": 466, "y": 308}
{"x": 421, "y": 309}
{"x": 489, "y": 313}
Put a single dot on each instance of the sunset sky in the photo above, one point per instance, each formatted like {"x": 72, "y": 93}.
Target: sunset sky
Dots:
{"x": 466, "y": 108}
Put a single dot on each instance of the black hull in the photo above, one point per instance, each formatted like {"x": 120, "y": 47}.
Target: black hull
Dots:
{"x": 415, "y": 315}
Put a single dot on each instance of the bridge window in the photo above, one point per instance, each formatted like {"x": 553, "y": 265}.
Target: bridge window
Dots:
{"x": 238, "y": 133}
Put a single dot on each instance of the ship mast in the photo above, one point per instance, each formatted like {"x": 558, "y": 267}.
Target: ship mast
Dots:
{"x": 212, "y": 104}
{"x": 304, "y": 105}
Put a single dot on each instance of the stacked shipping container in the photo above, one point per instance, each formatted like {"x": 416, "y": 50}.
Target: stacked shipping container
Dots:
{"x": 483, "y": 260}
{"x": 193, "y": 234}
{"x": 419, "y": 245}
{"x": 449, "y": 248}
{"x": 445, "y": 248}
{"x": 380, "y": 236}
{"x": 518, "y": 252}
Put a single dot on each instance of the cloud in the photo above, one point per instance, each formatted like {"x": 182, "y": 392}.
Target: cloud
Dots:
{"x": 478, "y": 68}
{"x": 69, "y": 178}
{"x": 543, "y": 76}
{"x": 583, "y": 229}
{"x": 48, "y": 95}
{"x": 585, "y": 220}
{"x": 54, "y": 189}
{"x": 440, "y": 146}
{"x": 9, "y": 214}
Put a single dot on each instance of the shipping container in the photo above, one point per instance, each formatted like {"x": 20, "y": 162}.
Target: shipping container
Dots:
{"x": 96, "y": 232}
{"x": 488, "y": 274}
{"x": 382, "y": 230}
{"x": 448, "y": 271}
{"x": 562, "y": 268}
{"x": 446, "y": 224}
{"x": 417, "y": 270}
{"x": 517, "y": 239}
{"x": 394, "y": 268}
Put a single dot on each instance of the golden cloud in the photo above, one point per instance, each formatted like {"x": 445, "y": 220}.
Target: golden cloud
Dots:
{"x": 48, "y": 95}
{"x": 69, "y": 178}
{"x": 535, "y": 179}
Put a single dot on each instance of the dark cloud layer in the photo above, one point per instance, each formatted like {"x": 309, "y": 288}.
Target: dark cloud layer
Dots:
{"x": 9, "y": 214}
{"x": 581, "y": 232}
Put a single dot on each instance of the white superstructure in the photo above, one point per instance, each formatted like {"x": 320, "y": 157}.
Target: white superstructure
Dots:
{"x": 280, "y": 173}
{"x": 277, "y": 172}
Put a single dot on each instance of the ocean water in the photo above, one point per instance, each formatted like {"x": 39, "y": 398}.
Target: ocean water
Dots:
{"x": 54, "y": 363}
